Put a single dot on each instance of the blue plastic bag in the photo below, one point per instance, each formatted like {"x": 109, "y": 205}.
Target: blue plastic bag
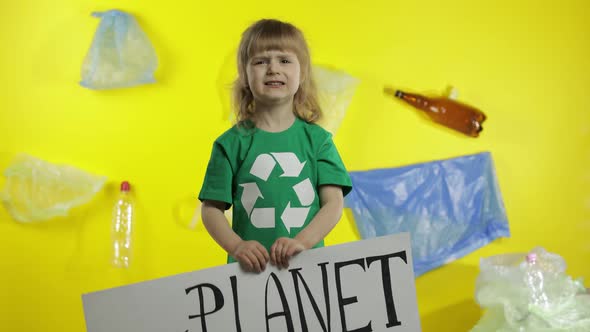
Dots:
{"x": 121, "y": 55}
{"x": 450, "y": 207}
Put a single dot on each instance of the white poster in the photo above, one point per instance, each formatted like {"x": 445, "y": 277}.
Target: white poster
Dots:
{"x": 360, "y": 286}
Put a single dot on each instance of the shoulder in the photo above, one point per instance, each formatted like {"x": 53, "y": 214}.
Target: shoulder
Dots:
{"x": 235, "y": 135}
{"x": 316, "y": 133}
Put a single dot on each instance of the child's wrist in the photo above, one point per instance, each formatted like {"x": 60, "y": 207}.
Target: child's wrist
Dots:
{"x": 306, "y": 244}
{"x": 233, "y": 246}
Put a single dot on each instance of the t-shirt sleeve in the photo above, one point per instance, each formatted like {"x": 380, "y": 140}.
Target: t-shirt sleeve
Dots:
{"x": 217, "y": 185}
{"x": 331, "y": 169}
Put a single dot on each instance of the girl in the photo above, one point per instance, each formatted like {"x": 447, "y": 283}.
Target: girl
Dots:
{"x": 281, "y": 172}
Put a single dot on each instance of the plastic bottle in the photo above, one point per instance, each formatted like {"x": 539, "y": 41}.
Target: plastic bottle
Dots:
{"x": 450, "y": 113}
{"x": 122, "y": 226}
{"x": 535, "y": 281}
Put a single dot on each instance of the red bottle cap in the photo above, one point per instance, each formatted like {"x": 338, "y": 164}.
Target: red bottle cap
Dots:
{"x": 125, "y": 186}
{"x": 531, "y": 257}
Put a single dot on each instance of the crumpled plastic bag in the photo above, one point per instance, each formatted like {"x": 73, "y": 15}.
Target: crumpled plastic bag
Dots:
{"x": 450, "y": 207}
{"x": 37, "y": 190}
{"x": 524, "y": 295}
{"x": 188, "y": 215}
{"x": 335, "y": 91}
{"x": 121, "y": 54}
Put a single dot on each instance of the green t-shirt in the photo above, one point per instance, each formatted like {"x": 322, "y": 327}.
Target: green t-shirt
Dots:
{"x": 272, "y": 179}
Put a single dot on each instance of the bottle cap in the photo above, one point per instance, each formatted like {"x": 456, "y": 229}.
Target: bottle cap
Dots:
{"x": 531, "y": 258}
{"x": 125, "y": 186}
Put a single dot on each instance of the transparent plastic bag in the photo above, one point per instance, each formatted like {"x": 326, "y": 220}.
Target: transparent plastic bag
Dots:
{"x": 450, "y": 207}
{"x": 121, "y": 54}
{"x": 530, "y": 293}
{"x": 187, "y": 212}
{"x": 335, "y": 91}
{"x": 36, "y": 190}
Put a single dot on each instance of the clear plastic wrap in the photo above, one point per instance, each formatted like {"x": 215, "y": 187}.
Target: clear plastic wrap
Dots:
{"x": 335, "y": 91}
{"x": 121, "y": 54}
{"x": 187, "y": 213}
{"x": 450, "y": 207}
{"x": 530, "y": 293}
{"x": 36, "y": 190}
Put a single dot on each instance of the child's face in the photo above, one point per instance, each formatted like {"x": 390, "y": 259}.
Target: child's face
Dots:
{"x": 273, "y": 76}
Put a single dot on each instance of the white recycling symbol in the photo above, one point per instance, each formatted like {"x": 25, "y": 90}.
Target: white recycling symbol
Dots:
{"x": 261, "y": 168}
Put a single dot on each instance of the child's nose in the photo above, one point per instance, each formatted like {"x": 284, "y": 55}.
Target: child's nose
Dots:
{"x": 272, "y": 67}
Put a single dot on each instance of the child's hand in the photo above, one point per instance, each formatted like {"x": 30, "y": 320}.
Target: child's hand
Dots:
{"x": 283, "y": 249}
{"x": 251, "y": 255}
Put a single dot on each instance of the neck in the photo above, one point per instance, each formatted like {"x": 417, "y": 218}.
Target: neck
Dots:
{"x": 274, "y": 118}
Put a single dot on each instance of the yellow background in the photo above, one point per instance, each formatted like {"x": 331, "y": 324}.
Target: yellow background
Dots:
{"x": 526, "y": 64}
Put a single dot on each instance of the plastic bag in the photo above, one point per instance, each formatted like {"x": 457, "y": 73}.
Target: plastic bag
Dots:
{"x": 187, "y": 212}
{"x": 530, "y": 295}
{"x": 121, "y": 55}
{"x": 335, "y": 91}
{"x": 450, "y": 207}
{"x": 36, "y": 190}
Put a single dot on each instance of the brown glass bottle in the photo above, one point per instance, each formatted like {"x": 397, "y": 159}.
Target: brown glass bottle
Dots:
{"x": 448, "y": 112}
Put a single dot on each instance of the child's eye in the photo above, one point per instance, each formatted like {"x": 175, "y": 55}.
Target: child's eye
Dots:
{"x": 259, "y": 62}
{"x": 285, "y": 61}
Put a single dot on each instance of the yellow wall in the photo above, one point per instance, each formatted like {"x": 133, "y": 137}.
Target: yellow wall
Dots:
{"x": 526, "y": 65}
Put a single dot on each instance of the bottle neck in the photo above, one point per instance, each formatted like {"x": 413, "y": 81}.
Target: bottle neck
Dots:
{"x": 412, "y": 98}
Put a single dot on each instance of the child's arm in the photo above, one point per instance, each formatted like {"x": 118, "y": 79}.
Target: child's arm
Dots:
{"x": 332, "y": 203}
{"x": 251, "y": 255}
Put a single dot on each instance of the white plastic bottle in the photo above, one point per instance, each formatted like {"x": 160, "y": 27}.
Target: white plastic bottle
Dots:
{"x": 122, "y": 227}
{"x": 535, "y": 281}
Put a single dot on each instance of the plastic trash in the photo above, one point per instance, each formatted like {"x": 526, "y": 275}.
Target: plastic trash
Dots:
{"x": 445, "y": 111}
{"x": 122, "y": 225}
{"x": 530, "y": 293}
{"x": 450, "y": 207}
{"x": 335, "y": 91}
{"x": 121, "y": 54}
{"x": 195, "y": 219}
{"x": 37, "y": 190}
{"x": 187, "y": 213}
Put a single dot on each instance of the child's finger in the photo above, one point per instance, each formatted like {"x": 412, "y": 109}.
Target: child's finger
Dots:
{"x": 291, "y": 251}
{"x": 245, "y": 263}
{"x": 284, "y": 257}
{"x": 260, "y": 258}
{"x": 277, "y": 254}
{"x": 255, "y": 262}
{"x": 273, "y": 257}
{"x": 263, "y": 252}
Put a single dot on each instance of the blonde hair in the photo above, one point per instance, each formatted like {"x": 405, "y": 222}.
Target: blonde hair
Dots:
{"x": 269, "y": 34}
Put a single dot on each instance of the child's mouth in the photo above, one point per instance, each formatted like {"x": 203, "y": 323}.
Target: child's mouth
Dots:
{"x": 274, "y": 83}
